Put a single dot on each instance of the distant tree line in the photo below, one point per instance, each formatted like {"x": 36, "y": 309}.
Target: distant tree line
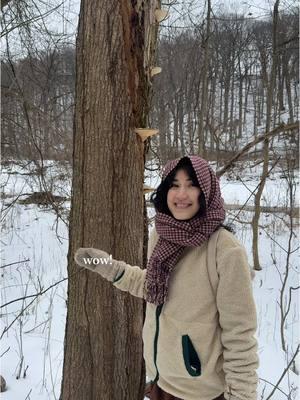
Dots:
{"x": 38, "y": 104}
{"x": 239, "y": 66}
{"x": 210, "y": 97}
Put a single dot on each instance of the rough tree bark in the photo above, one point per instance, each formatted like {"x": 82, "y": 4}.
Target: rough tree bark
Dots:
{"x": 103, "y": 341}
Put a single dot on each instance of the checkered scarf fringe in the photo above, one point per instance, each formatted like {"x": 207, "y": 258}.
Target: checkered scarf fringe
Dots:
{"x": 175, "y": 235}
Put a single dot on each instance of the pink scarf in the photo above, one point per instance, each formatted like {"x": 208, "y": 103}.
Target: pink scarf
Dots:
{"x": 175, "y": 235}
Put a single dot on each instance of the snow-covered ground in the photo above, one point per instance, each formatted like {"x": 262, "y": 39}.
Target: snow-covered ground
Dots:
{"x": 32, "y": 341}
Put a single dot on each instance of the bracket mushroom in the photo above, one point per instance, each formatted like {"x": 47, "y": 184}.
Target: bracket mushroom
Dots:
{"x": 144, "y": 133}
{"x": 161, "y": 15}
{"x": 148, "y": 189}
{"x": 155, "y": 71}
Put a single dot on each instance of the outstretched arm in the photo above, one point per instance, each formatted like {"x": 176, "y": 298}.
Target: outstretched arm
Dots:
{"x": 124, "y": 276}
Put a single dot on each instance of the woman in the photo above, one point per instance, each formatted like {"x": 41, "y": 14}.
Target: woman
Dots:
{"x": 200, "y": 317}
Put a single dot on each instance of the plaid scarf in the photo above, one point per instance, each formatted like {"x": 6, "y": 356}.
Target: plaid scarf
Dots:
{"x": 175, "y": 235}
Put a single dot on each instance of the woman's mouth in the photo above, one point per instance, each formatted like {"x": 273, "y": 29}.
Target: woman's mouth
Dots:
{"x": 182, "y": 205}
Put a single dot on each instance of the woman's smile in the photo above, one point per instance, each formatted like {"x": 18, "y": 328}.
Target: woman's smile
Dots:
{"x": 182, "y": 205}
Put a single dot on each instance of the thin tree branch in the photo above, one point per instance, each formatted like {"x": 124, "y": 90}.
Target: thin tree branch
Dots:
{"x": 283, "y": 373}
{"x": 33, "y": 295}
{"x": 261, "y": 138}
{"x": 28, "y": 21}
{"x": 17, "y": 262}
{"x": 270, "y": 383}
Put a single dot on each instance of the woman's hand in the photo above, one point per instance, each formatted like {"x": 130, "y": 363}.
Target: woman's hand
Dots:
{"x": 99, "y": 261}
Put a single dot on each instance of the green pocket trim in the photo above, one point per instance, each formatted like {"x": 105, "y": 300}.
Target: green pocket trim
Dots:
{"x": 190, "y": 356}
{"x": 157, "y": 314}
{"x": 119, "y": 277}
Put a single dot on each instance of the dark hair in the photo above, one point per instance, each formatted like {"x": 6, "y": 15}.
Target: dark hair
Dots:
{"x": 159, "y": 196}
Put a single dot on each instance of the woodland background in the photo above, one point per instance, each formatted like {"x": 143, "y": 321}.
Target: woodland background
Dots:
{"x": 228, "y": 90}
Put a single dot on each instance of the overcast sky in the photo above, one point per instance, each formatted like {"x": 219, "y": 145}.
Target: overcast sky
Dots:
{"x": 67, "y": 17}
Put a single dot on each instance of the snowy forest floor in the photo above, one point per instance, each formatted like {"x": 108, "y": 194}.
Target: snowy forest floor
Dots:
{"x": 32, "y": 329}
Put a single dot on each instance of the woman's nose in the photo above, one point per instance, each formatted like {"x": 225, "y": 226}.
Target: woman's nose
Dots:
{"x": 182, "y": 192}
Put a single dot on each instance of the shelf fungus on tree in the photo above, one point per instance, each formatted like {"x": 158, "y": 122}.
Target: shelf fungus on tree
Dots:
{"x": 148, "y": 189}
{"x": 161, "y": 15}
{"x": 144, "y": 133}
{"x": 155, "y": 71}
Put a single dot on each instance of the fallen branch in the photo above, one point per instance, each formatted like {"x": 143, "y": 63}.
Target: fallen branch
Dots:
{"x": 265, "y": 209}
{"x": 261, "y": 138}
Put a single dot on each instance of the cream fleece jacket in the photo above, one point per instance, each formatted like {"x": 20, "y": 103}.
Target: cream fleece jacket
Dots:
{"x": 201, "y": 343}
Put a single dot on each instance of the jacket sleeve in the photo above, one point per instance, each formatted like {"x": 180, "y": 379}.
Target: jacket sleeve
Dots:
{"x": 238, "y": 321}
{"x": 132, "y": 279}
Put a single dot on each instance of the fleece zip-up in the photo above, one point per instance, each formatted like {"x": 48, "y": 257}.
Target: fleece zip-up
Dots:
{"x": 201, "y": 342}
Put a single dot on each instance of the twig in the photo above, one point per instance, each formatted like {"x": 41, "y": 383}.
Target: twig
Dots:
{"x": 252, "y": 193}
{"x": 17, "y": 262}
{"x": 270, "y": 383}
{"x": 32, "y": 301}
{"x": 261, "y": 138}
{"x": 34, "y": 295}
{"x": 18, "y": 316}
{"x": 5, "y": 352}
{"x": 283, "y": 374}
{"x": 25, "y": 371}
{"x": 37, "y": 326}
{"x": 27, "y": 397}
{"x": 20, "y": 367}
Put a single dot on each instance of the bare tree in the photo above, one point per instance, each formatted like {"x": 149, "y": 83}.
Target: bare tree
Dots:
{"x": 270, "y": 98}
{"x": 204, "y": 80}
{"x": 103, "y": 341}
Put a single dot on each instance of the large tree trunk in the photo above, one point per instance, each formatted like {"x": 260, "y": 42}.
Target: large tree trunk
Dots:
{"x": 103, "y": 340}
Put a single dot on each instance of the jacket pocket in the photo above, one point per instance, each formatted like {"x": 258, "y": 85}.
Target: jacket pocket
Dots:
{"x": 190, "y": 356}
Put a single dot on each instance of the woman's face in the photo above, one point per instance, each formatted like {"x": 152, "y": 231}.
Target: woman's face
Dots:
{"x": 183, "y": 197}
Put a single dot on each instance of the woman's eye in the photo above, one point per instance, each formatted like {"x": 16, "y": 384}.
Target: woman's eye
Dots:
{"x": 176, "y": 185}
